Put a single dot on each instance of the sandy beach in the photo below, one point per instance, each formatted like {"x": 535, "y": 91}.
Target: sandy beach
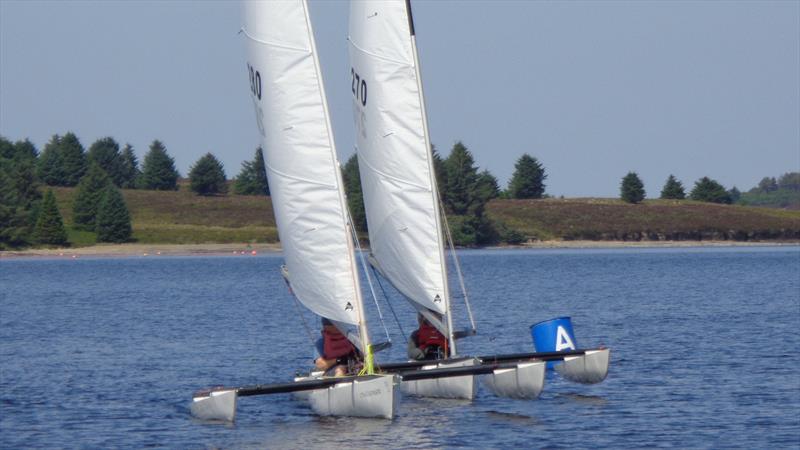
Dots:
{"x": 155, "y": 250}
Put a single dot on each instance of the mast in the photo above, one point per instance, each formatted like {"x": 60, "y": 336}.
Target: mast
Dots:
{"x": 434, "y": 186}
{"x": 347, "y": 223}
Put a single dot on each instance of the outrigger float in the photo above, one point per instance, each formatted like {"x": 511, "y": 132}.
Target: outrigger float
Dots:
{"x": 376, "y": 395}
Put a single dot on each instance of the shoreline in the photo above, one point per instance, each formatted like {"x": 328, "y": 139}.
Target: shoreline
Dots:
{"x": 146, "y": 250}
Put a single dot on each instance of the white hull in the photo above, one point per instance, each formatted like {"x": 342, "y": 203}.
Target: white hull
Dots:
{"x": 525, "y": 381}
{"x": 452, "y": 387}
{"x": 589, "y": 368}
{"x": 217, "y": 405}
{"x": 372, "y": 397}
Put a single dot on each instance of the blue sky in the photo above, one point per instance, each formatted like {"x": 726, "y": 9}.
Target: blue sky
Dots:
{"x": 592, "y": 89}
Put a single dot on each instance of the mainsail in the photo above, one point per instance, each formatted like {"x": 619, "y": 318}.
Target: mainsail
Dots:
{"x": 394, "y": 156}
{"x": 302, "y": 168}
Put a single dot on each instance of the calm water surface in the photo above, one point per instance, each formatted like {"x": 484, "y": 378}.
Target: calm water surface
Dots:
{"x": 107, "y": 352}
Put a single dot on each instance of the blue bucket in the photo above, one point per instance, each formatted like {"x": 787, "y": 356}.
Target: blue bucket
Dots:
{"x": 553, "y": 335}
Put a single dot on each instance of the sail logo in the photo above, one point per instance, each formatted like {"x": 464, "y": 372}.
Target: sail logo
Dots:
{"x": 563, "y": 341}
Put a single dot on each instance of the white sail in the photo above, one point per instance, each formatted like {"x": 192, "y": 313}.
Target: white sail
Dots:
{"x": 302, "y": 168}
{"x": 394, "y": 156}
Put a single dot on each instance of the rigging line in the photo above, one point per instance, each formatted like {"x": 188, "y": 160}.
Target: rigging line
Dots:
{"x": 458, "y": 265}
{"x": 366, "y": 272}
{"x": 391, "y": 308}
{"x": 302, "y": 318}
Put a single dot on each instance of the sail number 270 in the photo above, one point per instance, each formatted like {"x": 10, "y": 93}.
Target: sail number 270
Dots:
{"x": 359, "y": 87}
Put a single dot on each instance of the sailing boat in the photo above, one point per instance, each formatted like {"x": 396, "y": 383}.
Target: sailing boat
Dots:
{"x": 406, "y": 224}
{"x": 401, "y": 198}
{"x": 310, "y": 209}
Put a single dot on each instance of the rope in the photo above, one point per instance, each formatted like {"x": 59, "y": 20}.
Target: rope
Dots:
{"x": 369, "y": 279}
{"x": 300, "y": 313}
{"x": 457, "y": 264}
{"x": 391, "y": 308}
{"x": 369, "y": 363}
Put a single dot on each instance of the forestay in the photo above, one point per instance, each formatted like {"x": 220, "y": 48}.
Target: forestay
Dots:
{"x": 394, "y": 155}
{"x": 300, "y": 157}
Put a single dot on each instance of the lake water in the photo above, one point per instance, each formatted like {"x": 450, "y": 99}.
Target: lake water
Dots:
{"x": 105, "y": 353}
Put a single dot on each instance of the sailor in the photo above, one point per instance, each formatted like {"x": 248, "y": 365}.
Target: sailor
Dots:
{"x": 338, "y": 357}
{"x": 427, "y": 342}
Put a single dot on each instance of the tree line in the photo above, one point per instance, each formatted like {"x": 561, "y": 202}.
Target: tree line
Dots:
{"x": 769, "y": 192}
{"x": 104, "y": 168}
{"x": 27, "y": 217}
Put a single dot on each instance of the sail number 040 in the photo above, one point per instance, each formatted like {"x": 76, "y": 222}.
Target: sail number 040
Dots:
{"x": 359, "y": 87}
{"x": 255, "y": 81}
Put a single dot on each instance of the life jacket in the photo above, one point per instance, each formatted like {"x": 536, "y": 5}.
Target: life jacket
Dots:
{"x": 335, "y": 344}
{"x": 428, "y": 336}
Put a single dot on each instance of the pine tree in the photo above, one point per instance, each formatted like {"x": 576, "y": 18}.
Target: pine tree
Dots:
{"x": 6, "y": 148}
{"x": 461, "y": 176}
{"x": 252, "y": 180}
{"x": 19, "y": 200}
{"x": 632, "y": 188}
{"x": 708, "y": 190}
{"x": 129, "y": 168}
{"x": 73, "y": 159}
{"x": 465, "y": 194}
{"x": 528, "y": 178}
{"x": 734, "y": 194}
{"x": 673, "y": 189}
{"x": 25, "y": 150}
{"x": 158, "y": 169}
{"x": 49, "y": 228}
{"x": 767, "y": 185}
{"x": 49, "y": 168}
{"x": 105, "y": 152}
{"x": 113, "y": 218}
{"x": 87, "y": 199}
{"x": 207, "y": 176}
{"x": 355, "y": 196}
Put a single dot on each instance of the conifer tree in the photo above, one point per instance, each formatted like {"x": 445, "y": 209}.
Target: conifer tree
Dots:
{"x": 49, "y": 229}
{"x": 461, "y": 177}
{"x": 632, "y": 188}
{"x": 129, "y": 168}
{"x": 465, "y": 194}
{"x": 49, "y": 167}
{"x": 528, "y": 178}
{"x": 158, "y": 169}
{"x": 113, "y": 218}
{"x": 355, "y": 196}
{"x": 73, "y": 159}
{"x": 252, "y": 180}
{"x": 105, "y": 152}
{"x": 6, "y": 148}
{"x": 673, "y": 189}
{"x": 87, "y": 199}
{"x": 25, "y": 150}
{"x": 19, "y": 194}
{"x": 708, "y": 190}
{"x": 207, "y": 176}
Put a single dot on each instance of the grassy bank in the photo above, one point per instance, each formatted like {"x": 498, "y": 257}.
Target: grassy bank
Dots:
{"x": 181, "y": 217}
{"x": 672, "y": 220}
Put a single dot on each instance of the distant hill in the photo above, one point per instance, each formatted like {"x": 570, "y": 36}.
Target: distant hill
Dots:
{"x": 181, "y": 217}
{"x": 607, "y": 219}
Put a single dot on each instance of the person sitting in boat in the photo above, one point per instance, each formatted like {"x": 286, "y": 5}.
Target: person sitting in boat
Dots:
{"x": 427, "y": 342}
{"x": 337, "y": 355}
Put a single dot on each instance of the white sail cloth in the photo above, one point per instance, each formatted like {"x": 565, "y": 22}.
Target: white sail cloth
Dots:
{"x": 394, "y": 159}
{"x": 288, "y": 97}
